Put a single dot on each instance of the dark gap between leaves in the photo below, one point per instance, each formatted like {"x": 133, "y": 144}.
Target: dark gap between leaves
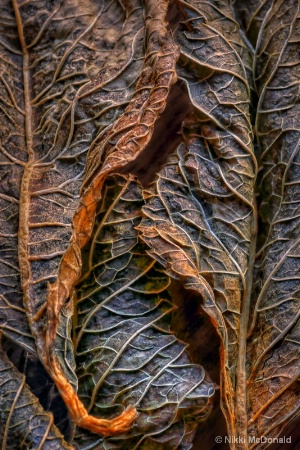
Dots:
{"x": 174, "y": 16}
{"x": 165, "y": 139}
{"x": 193, "y": 326}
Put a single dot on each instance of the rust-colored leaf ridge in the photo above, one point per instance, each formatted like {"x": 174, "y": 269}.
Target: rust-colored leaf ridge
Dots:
{"x": 125, "y": 352}
{"x": 122, "y": 143}
{"x": 201, "y": 216}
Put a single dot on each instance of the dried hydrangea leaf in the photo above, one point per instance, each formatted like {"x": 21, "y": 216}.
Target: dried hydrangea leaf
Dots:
{"x": 273, "y": 349}
{"x": 201, "y": 219}
{"x": 125, "y": 350}
{"x": 23, "y": 422}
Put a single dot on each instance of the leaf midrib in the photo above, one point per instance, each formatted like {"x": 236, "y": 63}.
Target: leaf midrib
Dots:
{"x": 24, "y": 208}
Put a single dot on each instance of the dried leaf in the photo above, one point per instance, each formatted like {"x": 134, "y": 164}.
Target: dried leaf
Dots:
{"x": 125, "y": 351}
{"x": 69, "y": 94}
{"x": 273, "y": 350}
{"x": 82, "y": 86}
{"x": 13, "y": 321}
{"x": 122, "y": 143}
{"x": 251, "y": 14}
{"x": 201, "y": 215}
{"x": 23, "y": 422}
{"x": 61, "y": 135}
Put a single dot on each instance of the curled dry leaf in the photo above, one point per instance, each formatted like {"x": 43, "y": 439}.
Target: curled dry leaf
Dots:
{"x": 82, "y": 85}
{"x": 201, "y": 215}
{"x": 122, "y": 143}
{"x": 125, "y": 352}
{"x": 66, "y": 94}
{"x": 251, "y": 14}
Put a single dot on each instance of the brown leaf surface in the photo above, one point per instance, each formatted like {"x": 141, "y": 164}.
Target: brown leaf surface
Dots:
{"x": 273, "y": 349}
{"x": 125, "y": 350}
{"x": 83, "y": 91}
{"x": 129, "y": 135}
{"x": 70, "y": 92}
{"x": 201, "y": 213}
{"x": 23, "y": 422}
{"x": 12, "y": 162}
{"x": 251, "y": 15}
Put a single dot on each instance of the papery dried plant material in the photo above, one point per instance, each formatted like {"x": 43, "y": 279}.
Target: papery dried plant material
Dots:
{"x": 58, "y": 54}
{"x": 201, "y": 214}
{"x": 273, "y": 349}
{"x": 251, "y": 14}
{"x": 82, "y": 85}
{"x": 110, "y": 152}
{"x": 13, "y": 321}
{"x": 73, "y": 81}
{"x": 125, "y": 351}
{"x": 221, "y": 25}
{"x": 68, "y": 48}
{"x": 23, "y": 422}
{"x": 188, "y": 235}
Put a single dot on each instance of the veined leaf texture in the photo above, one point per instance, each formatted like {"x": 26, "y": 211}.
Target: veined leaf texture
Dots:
{"x": 149, "y": 192}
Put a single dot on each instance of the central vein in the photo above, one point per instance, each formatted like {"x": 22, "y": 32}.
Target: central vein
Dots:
{"x": 24, "y": 209}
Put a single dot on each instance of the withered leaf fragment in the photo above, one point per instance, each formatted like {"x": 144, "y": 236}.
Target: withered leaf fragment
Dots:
{"x": 125, "y": 352}
{"x": 58, "y": 58}
{"x": 23, "y": 422}
{"x": 251, "y": 13}
{"x": 58, "y": 111}
{"x": 88, "y": 256}
{"x": 123, "y": 142}
{"x": 13, "y": 157}
{"x": 200, "y": 214}
{"x": 187, "y": 234}
{"x": 274, "y": 340}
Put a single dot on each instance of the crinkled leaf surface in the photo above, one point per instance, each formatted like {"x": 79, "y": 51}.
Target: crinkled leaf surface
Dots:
{"x": 48, "y": 55}
{"x": 69, "y": 82}
{"x": 82, "y": 85}
{"x": 125, "y": 351}
{"x": 68, "y": 102}
{"x": 200, "y": 212}
{"x": 187, "y": 192}
{"x": 183, "y": 238}
{"x": 251, "y": 14}
{"x": 273, "y": 350}
{"x": 13, "y": 158}
{"x": 23, "y": 422}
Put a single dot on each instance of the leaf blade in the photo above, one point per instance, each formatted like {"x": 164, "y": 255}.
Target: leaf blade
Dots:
{"x": 12, "y": 313}
{"x": 24, "y": 423}
{"x": 274, "y": 357}
{"x": 123, "y": 333}
{"x": 210, "y": 186}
